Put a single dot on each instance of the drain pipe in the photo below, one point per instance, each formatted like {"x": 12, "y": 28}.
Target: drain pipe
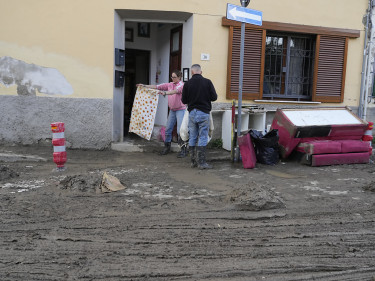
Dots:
{"x": 370, "y": 62}
{"x": 364, "y": 63}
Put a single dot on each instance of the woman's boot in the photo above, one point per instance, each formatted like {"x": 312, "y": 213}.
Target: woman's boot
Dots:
{"x": 167, "y": 148}
{"x": 183, "y": 146}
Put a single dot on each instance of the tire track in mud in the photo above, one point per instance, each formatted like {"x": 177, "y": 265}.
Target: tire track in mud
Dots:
{"x": 127, "y": 243}
{"x": 52, "y": 234}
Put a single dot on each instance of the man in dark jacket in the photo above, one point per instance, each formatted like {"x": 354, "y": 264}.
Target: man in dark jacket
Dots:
{"x": 197, "y": 94}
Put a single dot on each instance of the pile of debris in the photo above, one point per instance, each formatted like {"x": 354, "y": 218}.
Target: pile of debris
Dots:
{"x": 95, "y": 182}
{"x": 254, "y": 197}
{"x": 324, "y": 136}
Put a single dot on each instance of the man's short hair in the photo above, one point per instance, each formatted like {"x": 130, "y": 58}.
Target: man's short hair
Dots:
{"x": 196, "y": 68}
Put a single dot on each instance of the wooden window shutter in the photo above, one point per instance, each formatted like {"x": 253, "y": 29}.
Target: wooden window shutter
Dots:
{"x": 252, "y": 87}
{"x": 330, "y": 68}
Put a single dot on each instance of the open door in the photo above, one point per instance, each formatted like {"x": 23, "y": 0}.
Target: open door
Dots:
{"x": 137, "y": 70}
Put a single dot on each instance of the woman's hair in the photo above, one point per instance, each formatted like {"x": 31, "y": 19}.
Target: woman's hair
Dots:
{"x": 178, "y": 73}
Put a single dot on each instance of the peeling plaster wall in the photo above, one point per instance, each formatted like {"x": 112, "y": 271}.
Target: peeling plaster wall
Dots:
{"x": 87, "y": 81}
{"x": 31, "y": 77}
{"x": 27, "y": 120}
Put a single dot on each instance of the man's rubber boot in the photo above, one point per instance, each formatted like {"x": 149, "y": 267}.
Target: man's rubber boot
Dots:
{"x": 193, "y": 157}
{"x": 183, "y": 146}
{"x": 167, "y": 148}
{"x": 202, "y": 164}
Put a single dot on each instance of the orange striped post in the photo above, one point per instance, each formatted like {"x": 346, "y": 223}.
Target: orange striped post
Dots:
{"x": 58, "y": 141}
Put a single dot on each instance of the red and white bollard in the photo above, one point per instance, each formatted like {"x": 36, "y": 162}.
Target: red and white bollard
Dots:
{"x": 58, "y": 141}
{"x": 367, "y": 137}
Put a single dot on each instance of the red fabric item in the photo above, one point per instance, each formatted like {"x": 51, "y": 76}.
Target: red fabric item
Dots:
{"x": 345, "y": 137}
{"x": 321, "y": 147}
{"x": 347, "y": 130}
{"x": 353, "y": 146}
{"x": 247, "y": 151}
{"x": 337, "y": 159}
{"x": 287, "y": 141}
{"x": 304, "y": 140}
{"x": 162, "y": 133}
{"x": 300, "y": 148}
{"x": 290, "y": 135}
{"x": 331, "y": 138}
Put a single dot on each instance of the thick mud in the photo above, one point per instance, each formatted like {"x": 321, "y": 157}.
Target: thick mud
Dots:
{"x": 172, "y": 222}
{"x": 7, "y": 173}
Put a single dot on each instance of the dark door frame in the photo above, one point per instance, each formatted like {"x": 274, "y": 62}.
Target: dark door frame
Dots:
{"x": 130, "y": 81}
{"x": 177, "y": 53}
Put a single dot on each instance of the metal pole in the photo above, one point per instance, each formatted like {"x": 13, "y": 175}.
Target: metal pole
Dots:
{"x": 244, "y": 3}
{"x": 240, "y": 89}
{"x": 369, "y": 73}
{"x": 364, "y": 61}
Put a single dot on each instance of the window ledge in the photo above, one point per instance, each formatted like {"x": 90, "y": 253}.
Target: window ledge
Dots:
{"x": 285, "y": 101}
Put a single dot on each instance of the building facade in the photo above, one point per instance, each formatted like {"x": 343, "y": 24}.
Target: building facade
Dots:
{"x": 78, "y": 62}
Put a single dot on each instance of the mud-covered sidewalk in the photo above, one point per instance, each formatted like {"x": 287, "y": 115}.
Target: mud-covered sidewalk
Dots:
{"x": 172, "y": 222}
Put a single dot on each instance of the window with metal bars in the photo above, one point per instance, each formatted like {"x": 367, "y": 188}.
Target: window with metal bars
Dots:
{"x": 288, "y": 66}
{"x": 288, "y": 62}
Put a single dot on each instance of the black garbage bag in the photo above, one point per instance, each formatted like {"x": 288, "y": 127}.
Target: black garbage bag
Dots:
{"x": 266, "y": 147}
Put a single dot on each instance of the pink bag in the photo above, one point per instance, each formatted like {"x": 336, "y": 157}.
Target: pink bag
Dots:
{"x": 174, "y": 134}
{"x": 162, "y": 133}
{"x": 247, "y": 151}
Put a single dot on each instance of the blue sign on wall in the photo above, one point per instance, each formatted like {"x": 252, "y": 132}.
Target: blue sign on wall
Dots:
{"x": 245, "y": 15}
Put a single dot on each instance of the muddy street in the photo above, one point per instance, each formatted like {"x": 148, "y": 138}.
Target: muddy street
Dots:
{"x": 172, "y": 222}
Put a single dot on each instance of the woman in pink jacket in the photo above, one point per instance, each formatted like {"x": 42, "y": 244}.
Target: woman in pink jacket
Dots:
{"x": 176, "y": 111}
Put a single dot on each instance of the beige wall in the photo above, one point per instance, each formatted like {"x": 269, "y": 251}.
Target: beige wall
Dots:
{"x": 345, "y": 14}
{"x": 76, "y": 36}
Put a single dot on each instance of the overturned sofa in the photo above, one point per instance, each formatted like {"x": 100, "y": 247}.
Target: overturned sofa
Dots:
{"x": 322, "y": 136}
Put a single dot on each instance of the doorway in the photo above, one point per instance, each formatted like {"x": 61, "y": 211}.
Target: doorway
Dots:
{"x": 175, "y": 49}
{"x": 137, "y": 70}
